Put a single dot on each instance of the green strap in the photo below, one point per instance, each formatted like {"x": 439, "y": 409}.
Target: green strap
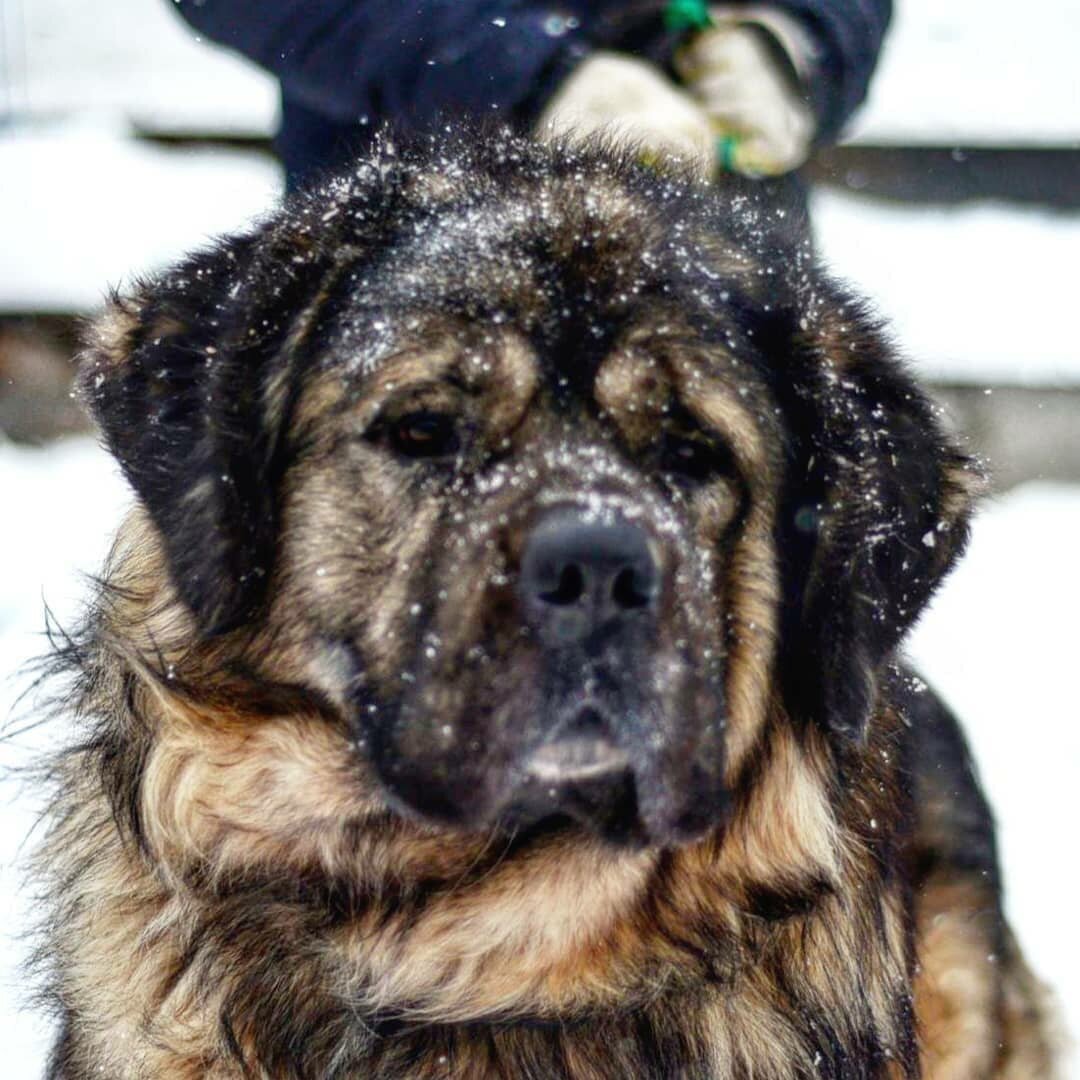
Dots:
{"x": 693, "y": 15}
{"x": 687, "y": 15}
{"x": 726, "y": 145}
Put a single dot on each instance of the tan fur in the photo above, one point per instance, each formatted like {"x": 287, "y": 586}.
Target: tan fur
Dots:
{"x": 112, "y": 332}
{"x": 957, "y": 994}
{"x": 1033, "y": 1035}
{"x": 981, "y": 1011}
{"x": 561, "y": 930}
{"x": 787, "y": 825}
{"x": 313, "y": 684}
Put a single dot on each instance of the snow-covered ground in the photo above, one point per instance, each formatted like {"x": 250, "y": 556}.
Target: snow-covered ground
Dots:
{"x": 61, "y": 504}
{"x": 1000, "y": 644}
{"x": 136, "y": 61}
{"x": 979, "y": 294}
{"x": 83, "y": 206}
{"x": 976, "y": 72}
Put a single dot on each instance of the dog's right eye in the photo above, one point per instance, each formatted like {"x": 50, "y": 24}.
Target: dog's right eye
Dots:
{"x": 424, "y": 435}
{"x": 692, "y": 459}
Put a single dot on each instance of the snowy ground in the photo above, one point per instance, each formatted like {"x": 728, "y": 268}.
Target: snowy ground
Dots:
{"x": 1000, "y": 644}
{"x": 977, "y": 294}
{"x": 62, "y": 504}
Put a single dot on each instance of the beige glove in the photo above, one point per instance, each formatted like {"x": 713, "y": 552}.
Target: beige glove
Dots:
{"x": 630, "y": 99}
{"x": 748, "y": 95}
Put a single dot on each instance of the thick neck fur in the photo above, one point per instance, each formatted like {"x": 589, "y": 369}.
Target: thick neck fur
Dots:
{"x": 231, "y": 901}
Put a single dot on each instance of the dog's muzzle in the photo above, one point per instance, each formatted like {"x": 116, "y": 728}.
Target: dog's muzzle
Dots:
{"x": 589, "y": 591}
{"x": 616, "y": 727}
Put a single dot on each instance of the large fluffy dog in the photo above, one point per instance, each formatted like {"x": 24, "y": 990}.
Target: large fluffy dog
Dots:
{"x": 497, "y": 678}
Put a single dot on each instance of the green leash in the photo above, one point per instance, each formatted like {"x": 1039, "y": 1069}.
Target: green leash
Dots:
{"x": 687, "y": 15}
{"x": 683, "y": 16}
{"x": 726, "y": 148}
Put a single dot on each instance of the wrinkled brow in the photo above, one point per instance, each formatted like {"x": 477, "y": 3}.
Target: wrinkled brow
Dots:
{"x": 648, "y": 383}
{"x": 473, "y": 361}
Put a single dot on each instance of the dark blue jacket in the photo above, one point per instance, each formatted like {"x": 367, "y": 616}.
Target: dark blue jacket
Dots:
{"x": 347, "y": 65}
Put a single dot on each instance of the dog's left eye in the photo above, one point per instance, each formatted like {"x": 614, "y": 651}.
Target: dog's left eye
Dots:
{"x": 425, "y": 435}
{"x": 693, "y": 459}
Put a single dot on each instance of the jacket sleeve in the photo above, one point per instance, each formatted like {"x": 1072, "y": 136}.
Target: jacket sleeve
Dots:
{"x": 848, "y": 35}
{"x": 404, "y": 60}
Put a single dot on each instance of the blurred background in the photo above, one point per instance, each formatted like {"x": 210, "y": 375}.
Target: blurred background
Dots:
{"x": 953, "y": 203}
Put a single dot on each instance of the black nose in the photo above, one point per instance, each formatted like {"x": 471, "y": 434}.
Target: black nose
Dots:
{"x": 582, "y": 573}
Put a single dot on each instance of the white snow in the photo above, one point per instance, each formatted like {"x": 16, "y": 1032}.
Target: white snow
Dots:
{"x": 1000, "y": 644}
{"x": 976, "y": 72}
{"x": 982, "y": 293}
{"x": 134, "y": 60}
{"x": 66, "y": 501}
{"x": 84, "y": 206}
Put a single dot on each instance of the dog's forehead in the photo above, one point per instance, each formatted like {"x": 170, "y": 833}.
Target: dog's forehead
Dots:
{"x": 554, "y": 244}
{"x": 569, "y": 258}
{"x": 569, "y": 314}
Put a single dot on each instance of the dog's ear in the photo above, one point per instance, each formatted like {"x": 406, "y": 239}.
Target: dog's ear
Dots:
{"x": 876, "y": 510}
{"x": 188, "y": 378}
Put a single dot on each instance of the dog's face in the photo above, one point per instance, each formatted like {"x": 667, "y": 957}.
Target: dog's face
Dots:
{"x": 537, "y": 540}
{"x": 547, "y": 476}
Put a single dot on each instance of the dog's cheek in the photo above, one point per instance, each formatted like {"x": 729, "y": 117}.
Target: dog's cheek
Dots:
{"x": 469, "y": 696}
{"x": 726, "y": 596}
{"x": 356, "y": 543}
{"x": 752, "y": 600}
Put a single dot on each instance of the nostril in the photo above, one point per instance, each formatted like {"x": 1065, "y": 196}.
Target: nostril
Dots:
{"x": 583, "y": 573}
{"x": 628, "y": 590}
{"x": 570, "y": 589}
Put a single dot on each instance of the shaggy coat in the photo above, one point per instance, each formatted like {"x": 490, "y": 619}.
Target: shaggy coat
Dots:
{"x": 356, "y": 798}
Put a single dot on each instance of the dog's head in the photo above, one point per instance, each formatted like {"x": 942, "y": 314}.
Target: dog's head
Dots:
{"x": 547, "y": 475}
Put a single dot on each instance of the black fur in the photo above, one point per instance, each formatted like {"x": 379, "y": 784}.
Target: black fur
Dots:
{"x": 300, "y": 586}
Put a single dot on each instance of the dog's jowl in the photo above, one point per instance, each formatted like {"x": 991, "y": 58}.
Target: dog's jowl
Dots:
{"x": 498, "y": 674}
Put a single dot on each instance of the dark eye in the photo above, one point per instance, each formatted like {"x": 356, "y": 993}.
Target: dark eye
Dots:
{"x": 424, "y": 435}
{"x": 693, "y": 459}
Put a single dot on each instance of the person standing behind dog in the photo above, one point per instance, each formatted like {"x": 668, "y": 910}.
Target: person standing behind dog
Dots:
{"x": 748, "y": 87}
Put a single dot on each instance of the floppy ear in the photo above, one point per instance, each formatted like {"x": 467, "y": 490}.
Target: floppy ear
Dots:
{"x": 876, "y": 512}
{"x": 188, "y": 380}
